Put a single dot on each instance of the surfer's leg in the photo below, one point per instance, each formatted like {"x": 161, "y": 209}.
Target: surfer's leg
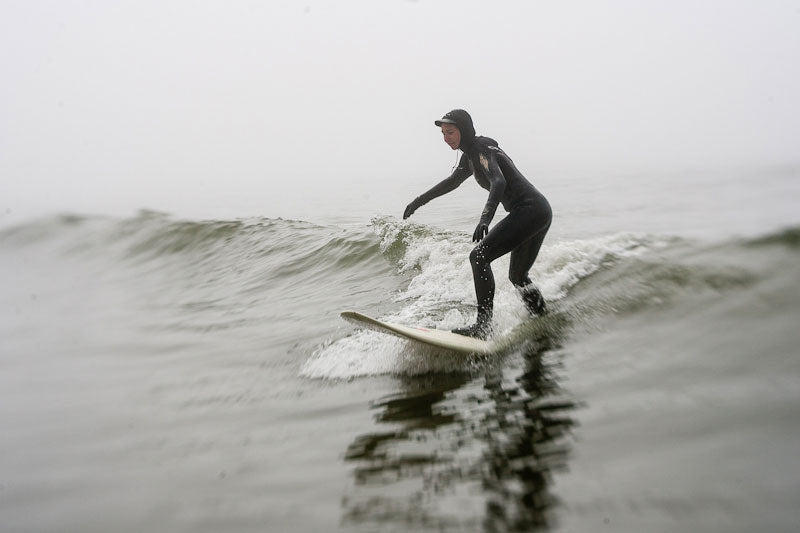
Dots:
{"x": 503, "y": 238}
{"x": 522, "y": 259}
{"x": 483, "y": 278}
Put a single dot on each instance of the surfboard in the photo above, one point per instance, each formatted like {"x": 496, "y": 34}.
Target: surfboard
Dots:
{"x": 432, "y": 337}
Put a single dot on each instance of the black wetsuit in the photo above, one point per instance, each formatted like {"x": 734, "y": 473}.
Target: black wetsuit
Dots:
{"x": 521, "y": 232}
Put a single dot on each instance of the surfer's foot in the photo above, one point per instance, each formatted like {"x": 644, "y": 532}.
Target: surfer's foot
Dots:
{"x": 479, "y": 330}
{"x": 534, "y": 301}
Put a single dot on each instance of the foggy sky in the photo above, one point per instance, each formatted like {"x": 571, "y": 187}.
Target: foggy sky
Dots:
{"x": 235, "y": 107}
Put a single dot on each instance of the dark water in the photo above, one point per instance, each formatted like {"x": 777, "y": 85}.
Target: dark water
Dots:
{"x": 178, "y": 375}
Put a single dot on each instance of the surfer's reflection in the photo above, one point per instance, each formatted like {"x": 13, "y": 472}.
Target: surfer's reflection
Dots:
{"x": 464, "y": 451}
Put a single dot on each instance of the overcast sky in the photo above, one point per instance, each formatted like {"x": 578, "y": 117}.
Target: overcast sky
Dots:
{"x": 189, "y": 106}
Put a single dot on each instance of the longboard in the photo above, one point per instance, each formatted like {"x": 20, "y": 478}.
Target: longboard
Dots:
{"x": 432, "y": 337}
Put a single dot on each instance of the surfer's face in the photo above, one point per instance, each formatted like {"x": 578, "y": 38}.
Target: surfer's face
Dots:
{"x": 451, "y": 135}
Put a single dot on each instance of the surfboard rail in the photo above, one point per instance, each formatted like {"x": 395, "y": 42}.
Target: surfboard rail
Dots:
{"x": 432, "y": 337}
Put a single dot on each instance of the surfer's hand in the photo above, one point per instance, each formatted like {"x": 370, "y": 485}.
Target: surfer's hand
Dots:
{"x": 413, "y": 206}
{"x": 480, "y": 231}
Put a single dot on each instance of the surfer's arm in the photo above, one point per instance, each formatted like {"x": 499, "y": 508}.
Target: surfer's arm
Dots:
{"x": 449, "y": 184}
{"x": 497, "y": 186}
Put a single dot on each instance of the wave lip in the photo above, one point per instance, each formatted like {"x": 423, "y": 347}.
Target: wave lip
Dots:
{"x": 151, "y": 235}
{"x": 789, "y": 238}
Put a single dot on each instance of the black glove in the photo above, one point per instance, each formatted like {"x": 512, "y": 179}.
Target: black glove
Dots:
{"x": 480, "y": 231}
{"x": 413, "y": 206}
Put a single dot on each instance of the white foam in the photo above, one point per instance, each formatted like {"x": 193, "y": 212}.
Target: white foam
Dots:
{"x": 367, "y": 353}
{"x": 441, "y": 294}
{"x": 562, "y": 264}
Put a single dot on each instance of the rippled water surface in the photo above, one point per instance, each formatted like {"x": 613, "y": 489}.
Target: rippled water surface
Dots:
{"x": 166, "y": 374}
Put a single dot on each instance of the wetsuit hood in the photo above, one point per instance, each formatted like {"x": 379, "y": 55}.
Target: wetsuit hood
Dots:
{"x": 463, "y": 122}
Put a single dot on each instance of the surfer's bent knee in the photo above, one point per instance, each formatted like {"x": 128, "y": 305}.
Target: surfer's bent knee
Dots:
{"x": 478, "y": 255}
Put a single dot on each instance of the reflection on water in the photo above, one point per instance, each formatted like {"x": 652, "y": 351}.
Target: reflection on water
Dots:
{"x": 465, "y": 452}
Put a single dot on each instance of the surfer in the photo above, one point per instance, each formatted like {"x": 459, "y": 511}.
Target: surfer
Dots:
{"x": 521, "y": 232}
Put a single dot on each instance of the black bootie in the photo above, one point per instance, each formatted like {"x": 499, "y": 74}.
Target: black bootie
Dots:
{"x": 534, "y": 301}
{"x": 481, "y": 329}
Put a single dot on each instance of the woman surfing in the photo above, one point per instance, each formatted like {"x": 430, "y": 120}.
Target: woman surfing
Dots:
{"x": 520, "y": 233}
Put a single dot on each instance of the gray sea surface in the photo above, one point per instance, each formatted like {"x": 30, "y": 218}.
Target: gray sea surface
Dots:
{"x": 167, "y": 372}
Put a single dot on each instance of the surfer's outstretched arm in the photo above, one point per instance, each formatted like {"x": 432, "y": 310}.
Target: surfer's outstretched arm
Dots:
{"x": 451, "y": 183}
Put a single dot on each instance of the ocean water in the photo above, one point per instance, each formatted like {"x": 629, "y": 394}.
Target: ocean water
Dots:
{"x": 170, "y": 373}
